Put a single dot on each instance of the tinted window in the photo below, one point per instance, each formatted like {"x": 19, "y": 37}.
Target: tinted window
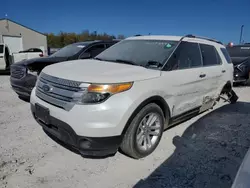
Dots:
{"x": 187, "y": 55}
{"x": 209, "y": 55}
{"x": 69, "y": 50}
{"x": 239, "y": 51}
{"x": 139, "y": 51}
{"x": 1, "y": 48}
{"x": 96, "y": 49}
{"x": 35, "y": 50}
{"x": 226, "y": 55}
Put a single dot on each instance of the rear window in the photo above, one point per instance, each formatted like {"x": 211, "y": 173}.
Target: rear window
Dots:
{"x": 1, "y": 49}
{"x": 209, "y": 55}
{"x": 31, "y": 50}
{"x": 226, "y": 55}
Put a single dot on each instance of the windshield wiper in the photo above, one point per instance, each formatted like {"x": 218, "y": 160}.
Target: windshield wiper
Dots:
{"x": 96, "y": 58}
{"x": 153, "y": 64}
{"x": 127, "y": 62}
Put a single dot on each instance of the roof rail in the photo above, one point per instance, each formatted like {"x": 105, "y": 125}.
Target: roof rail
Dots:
{"x": 199, "y": 37}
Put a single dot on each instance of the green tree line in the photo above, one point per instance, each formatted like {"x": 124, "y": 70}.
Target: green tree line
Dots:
{"x": 64, "y": 38}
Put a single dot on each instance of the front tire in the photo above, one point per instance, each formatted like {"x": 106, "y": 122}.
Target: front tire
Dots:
{"x": 144, "y": 132}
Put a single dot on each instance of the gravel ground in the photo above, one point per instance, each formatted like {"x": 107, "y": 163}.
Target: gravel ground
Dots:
{"x": 205, "y": 151}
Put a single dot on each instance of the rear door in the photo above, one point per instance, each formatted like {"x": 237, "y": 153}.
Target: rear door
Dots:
{"x": 184, "y": 73}
{"x": 229, "y": 69}
{"x": 2, "y": 59}
{"x": 212, "y": 71}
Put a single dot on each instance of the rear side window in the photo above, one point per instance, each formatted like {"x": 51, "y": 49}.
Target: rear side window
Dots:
{"x": 209, "y": 55}
{"x": 187, "y": 55}
{"x": 97, "y": 47}
{"x": 226, "y": 55}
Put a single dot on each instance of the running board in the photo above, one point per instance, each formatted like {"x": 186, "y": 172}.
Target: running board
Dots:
{"x": 184, "y": 116}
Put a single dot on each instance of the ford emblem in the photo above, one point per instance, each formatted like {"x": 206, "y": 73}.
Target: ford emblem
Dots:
{"x": 47, "y": 88}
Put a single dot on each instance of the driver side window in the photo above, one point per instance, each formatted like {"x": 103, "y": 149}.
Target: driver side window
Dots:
{"x": 96, "y": 49}
{"x": 187, "y": 55}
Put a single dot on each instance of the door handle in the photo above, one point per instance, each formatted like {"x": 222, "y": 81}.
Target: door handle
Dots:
{"x": 223, "y": 71}
{"x": 202, "y": 75}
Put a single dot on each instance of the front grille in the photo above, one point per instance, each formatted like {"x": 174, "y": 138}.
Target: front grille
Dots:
{"x": 58, "y": 92}
{"x": 18, "y": 71}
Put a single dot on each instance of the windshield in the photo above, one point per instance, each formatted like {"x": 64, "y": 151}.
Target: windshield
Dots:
{"x": 69, "y": 50}
{"x": 140, "y": 52}
{"x": 1, "y": 49}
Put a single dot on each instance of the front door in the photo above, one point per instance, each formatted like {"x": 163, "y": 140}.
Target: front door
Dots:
{"x": 185, "y": 71}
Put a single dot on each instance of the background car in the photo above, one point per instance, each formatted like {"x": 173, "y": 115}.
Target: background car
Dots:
{"x": 24, "y": 73}
{"x": 7, "y": 57}
{"x": 240, "y": 55}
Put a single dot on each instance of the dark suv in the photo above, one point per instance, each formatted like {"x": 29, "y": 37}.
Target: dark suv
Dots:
{"x": 24, "y": 73}
{"x": 240, "y": 55}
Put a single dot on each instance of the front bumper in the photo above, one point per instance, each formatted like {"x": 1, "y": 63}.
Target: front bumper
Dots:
{"x": 63, "y": 134}
{"x": 23, "y": 86}
{"x": 106, "y": 119}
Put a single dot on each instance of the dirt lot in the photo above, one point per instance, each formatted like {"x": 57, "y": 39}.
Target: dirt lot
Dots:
{"x": 206, "y": 151}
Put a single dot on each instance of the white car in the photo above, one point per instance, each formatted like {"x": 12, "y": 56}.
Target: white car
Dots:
{"x": 126, "y": 96}
{"x": 7, "y": 57}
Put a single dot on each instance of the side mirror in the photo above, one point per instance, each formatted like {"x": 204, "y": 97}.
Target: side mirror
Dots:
{"x": 85, "y": 55}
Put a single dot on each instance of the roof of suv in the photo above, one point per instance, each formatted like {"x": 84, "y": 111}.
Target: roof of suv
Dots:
{"x": 155, "y": 37}
{"x": 177, "y": 38}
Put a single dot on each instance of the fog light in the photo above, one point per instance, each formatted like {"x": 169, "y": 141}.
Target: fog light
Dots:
{"x": 85, "y": 144}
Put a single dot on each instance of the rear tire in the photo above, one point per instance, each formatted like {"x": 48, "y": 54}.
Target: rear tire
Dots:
{"x": 144, "y": 134}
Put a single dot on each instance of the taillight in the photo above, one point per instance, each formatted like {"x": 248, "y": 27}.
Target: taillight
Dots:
{"x": 41, "y": 55}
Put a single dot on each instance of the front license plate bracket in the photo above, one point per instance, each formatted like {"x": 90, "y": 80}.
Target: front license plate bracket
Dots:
{"x": 42, "y": 113}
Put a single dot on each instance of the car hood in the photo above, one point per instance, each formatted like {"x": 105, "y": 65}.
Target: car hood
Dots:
{"x": 95, "y": 71}
{"x": 44, "y": 60}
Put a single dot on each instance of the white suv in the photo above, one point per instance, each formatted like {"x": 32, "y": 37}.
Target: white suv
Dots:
{"x": 126, "y": 96}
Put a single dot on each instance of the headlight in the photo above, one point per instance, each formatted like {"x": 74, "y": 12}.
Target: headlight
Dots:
{"x": 97, "y": 93}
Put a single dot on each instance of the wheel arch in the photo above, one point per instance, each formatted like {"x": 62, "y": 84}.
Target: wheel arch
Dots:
{"x": 154, "y": 99}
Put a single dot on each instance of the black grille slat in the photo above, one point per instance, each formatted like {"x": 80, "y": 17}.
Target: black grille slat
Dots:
{"x": 56, "y": 95}
{"x": 51, "y": 100}
{"x": 59, "y": 85}
{"x": 61, "y": 81}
